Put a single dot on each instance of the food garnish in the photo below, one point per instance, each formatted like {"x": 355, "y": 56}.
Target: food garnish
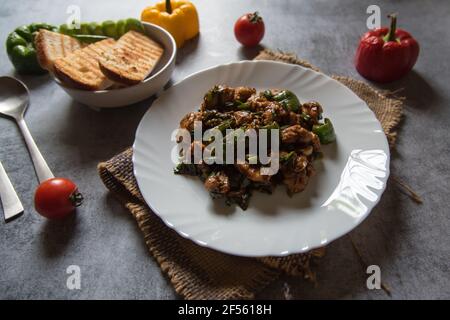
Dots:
{"x": 301, "y": 133}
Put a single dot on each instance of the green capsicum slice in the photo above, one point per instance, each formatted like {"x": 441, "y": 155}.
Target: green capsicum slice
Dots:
{"x": 325, "y": 131}
{"x": 288, "y": 100}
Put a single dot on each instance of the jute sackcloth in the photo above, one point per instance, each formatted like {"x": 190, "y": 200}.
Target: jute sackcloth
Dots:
{"x": 200, "y": 273}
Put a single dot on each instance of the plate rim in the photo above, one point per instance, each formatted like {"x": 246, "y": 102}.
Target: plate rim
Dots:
{"x": 372, "y": 205}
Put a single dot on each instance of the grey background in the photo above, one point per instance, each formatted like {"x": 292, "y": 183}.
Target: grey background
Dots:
{"x": 409, "y": 242}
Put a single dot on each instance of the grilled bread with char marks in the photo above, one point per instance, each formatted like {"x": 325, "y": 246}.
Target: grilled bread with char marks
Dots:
{"x": 80, "y": 69}
{"x": 132, "y": 59}
{"x": 52, "y": 45}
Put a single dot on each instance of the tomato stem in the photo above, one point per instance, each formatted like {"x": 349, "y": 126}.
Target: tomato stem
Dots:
{"x": 254, "y": 17}
{"x": 76, "y": 198}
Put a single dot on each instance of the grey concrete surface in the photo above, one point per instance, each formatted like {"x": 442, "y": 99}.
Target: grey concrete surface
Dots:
{"x": 409, "y": 242}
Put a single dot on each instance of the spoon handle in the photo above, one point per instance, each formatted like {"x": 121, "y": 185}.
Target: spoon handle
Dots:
{"x": 8, "y": 196}
{"x": 42, "y": 170}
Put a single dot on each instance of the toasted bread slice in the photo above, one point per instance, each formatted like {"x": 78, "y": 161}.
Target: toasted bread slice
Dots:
{"x": 52, "y": 45}
{"x": 132, "y": 60}
{"x": 80, "y": 69}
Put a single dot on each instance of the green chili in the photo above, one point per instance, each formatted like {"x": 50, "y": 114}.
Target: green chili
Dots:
{"x": 87, "y": 38}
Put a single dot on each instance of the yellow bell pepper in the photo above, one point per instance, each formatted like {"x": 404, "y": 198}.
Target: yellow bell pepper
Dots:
{"x": 179, "y": 17}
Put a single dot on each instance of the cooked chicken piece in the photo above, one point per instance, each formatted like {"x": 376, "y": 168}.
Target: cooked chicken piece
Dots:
{"x": 217, "y": 98}
{"x": 243, "y": 93}
{"x": 300, "y": 163}
{"x": 255, "y": 124}
{"x": 242, "y": 117}
{"x": 273, "y": 111}
{"x": 242, "y": 107}
{"x": 307, "y": 151}
{"x": 296, "y": 181}
{"x": 195, "y": 145}
{"x": 253, "y": 173}
{"x": 313, "y": 109}
{"x": 258, "y": 102}
{"x": 268, "y": 117}
{"x": 224, "y": 98}
{"x": 298, "y": 134}
{"x": 188, "y": 120}
{"x": 217, "y": 183}
{"x": 293, "y": 118}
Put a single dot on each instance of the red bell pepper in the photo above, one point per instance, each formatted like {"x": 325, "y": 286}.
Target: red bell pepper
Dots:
{"x": 385, "y": 55}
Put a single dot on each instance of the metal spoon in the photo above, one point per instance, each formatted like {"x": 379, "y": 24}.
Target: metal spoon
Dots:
{"x": 14, "y": 100}
{"x": 12, "y": 207}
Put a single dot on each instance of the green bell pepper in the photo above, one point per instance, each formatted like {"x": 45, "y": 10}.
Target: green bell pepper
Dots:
{"x": 288, "y": 100}
{"x": 20, "y": 48}
{"x": 325, "y": 131}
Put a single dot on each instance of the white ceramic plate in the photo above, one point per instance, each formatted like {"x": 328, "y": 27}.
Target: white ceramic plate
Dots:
{"x": 349, "y": 182}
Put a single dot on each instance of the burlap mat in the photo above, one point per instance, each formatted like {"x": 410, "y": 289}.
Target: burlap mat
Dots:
{"x": 200, "y": 273}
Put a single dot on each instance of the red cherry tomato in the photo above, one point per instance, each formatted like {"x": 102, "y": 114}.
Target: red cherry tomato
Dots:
{"x": 249, "y": 29}
{"x": 56, "y": 198}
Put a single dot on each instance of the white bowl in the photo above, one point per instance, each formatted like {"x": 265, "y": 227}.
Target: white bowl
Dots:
{"x": 129, "y": 95}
